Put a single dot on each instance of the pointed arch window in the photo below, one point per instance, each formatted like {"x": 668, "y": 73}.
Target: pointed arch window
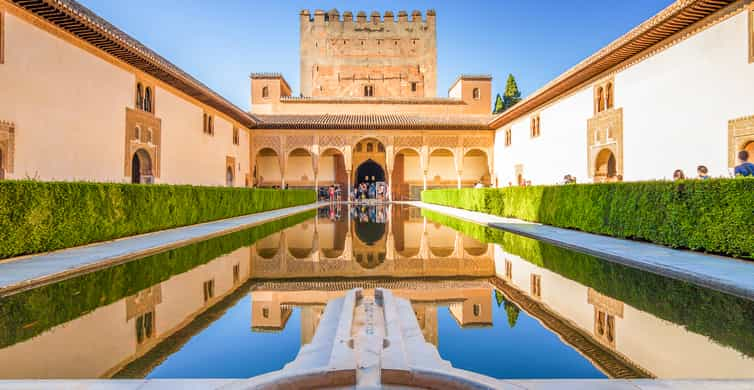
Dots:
{"x": 148, "y": 99}
{"x": 139, "y": 96}
{"x": 609, "y": 96}
{"x": 476, "y": 94}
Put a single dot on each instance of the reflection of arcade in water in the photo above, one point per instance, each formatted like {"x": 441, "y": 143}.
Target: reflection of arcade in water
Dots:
{"x": 468, "y": 301}
{"x": 388, "y": 246}
{"x": 370, "y": 241}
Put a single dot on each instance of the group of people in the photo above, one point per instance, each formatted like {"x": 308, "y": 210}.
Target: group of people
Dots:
{"x": 331, "y": 193}
{"x": 364, "y": 191}
{"x": 745, "y": 168}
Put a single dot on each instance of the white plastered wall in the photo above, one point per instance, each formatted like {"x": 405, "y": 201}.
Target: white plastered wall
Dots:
{"x": 68, "y": 107}
{"x": 676, "y": 107}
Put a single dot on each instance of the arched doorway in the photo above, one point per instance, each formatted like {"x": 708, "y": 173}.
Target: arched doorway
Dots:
{"x": 369, "y": 172}
{"x": 267, "y": 168}
{"x": 475, "y": 169}
{"x": 441, "y": 172}
{"x": 299, "y": 171}
{"x": 408, "y": 178}
{"x": 332, "y": 168}
{"x": 229, "y": 177}
{"x": 141, "y": 167}
{"x": 605, "y": 165}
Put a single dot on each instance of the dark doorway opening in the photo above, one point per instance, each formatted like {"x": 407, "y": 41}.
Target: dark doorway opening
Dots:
{"x": 141, "y": 168}
{"x": 369, "y": 172}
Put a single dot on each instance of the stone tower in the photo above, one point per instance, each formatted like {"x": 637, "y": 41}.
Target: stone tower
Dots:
{"x": 375, "y": 56}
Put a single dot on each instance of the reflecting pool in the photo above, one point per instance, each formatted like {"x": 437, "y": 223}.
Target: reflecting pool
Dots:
{"x": 492, "y": 302}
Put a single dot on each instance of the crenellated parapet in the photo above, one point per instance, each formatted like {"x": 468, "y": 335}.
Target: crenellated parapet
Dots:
{"x": 333, "y": 18}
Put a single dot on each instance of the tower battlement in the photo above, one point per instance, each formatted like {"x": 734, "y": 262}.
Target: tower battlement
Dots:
{"x": 334, "y": 18}
{"x": 375, "y": 54}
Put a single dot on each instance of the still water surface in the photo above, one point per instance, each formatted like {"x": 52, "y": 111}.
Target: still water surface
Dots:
{"x": 495, "y": 303}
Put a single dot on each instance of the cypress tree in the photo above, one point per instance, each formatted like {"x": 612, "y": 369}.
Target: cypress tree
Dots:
{"x": 499, "y": 105}
{"x": 512, "y": 94}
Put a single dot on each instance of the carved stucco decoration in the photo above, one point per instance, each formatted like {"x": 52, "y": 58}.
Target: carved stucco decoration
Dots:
{"x": 299, "y": 141}
{"x": 414, "y": 141}
{"x": 470, "y": 142}
{"x": 272, "y": 142}
{"x": 358, "y": 138}
{"x": 448, "y": 141}
{"x": 336, "y": 141}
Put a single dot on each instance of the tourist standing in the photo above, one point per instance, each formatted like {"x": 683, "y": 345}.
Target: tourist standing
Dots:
{"x": 701, "y": 172}
{"x": 331, "y": 193}
{"x": 678, "y": 175}
{"x": 745, "y": 168}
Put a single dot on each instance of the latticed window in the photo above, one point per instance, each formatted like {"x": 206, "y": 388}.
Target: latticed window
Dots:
{"x": 209, "y": 290}
{"x": 534, "y": 126}
{"x": 144, "y": 327}
{"x": 139, "y": 96}
{"x": 148, "y": 100}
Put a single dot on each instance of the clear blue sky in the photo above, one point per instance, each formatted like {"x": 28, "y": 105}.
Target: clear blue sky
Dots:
{"x": 221, "y": 42}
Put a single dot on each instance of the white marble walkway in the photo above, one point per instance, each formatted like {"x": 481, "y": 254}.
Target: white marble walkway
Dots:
{"x": 725, "y": 274}
{"x": 20, "y": 273}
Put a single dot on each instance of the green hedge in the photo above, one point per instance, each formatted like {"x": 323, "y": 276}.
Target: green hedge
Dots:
{"x": 43, "y": 216}
{"x": 710, "y": 215}
{"x": 27, "y": 314}
{"x": 724, "y": 318}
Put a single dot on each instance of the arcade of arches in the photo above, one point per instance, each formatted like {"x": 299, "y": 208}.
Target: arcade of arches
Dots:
{"x": 407, "y": 162}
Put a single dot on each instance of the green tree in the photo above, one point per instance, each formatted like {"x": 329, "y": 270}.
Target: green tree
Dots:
{"x": 498, "y": 295}
{"x": 499, "y": 105}
{"x": 512, "y": 95}
{"x": 512, "y": 311}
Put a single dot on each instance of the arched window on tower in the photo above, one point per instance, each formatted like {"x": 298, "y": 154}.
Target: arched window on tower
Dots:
{"x": 368, "y": 91}
{"x": 265, "y": 92}
{"x": 476, "y": 94}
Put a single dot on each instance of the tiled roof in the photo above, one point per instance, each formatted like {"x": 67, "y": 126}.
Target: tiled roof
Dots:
{"x": 370, "y": 100}
{"x": 78, "y": 20}
{"x": 374, "y": 121}
{"x": 671, "y": 20}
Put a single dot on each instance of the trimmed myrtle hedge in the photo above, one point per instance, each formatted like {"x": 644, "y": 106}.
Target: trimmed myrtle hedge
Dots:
{"x": 710, "y": 215}
{"x": 43, "y": 216}
{"x": 27, "y": 314}
{"x": 724, "y": 318}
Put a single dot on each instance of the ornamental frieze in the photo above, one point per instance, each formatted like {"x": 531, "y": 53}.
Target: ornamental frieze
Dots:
{"x": 332, "y": 140}
{"x": 446, "y": 141}
{"x": 272, "y": 142}
{"x": 409, "y": 140}
{"x": 469, "y": 142}
{"x": 298, "y": 141}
